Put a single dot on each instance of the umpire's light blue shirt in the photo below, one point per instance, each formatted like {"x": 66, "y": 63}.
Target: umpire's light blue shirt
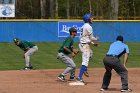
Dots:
{"x": 118, "y": 48}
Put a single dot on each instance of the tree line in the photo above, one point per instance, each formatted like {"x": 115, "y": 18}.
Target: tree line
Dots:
{"x": 75, "y": 9}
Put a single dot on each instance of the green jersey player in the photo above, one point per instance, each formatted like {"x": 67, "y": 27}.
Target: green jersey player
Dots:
{"x": 28, "y": 48}
{"x": 64, "y": 54}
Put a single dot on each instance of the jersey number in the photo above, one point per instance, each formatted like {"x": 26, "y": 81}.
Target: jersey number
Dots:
{"x": 81, "y": 32}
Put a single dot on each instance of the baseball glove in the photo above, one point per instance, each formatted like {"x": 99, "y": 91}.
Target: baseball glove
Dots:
{"x": 95, "y": 44}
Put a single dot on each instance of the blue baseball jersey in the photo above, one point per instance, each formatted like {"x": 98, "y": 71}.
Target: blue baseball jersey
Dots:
{"x": 118, "y": 48}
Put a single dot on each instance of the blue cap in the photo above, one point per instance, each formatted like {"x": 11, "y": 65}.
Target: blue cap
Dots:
{"x": 86, "y": 17}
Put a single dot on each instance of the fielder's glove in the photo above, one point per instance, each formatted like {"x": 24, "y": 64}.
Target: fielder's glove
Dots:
{"x": 96, "y": 45}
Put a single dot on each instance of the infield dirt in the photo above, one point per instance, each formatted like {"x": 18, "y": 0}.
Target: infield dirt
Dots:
{"x": 45, "y": 81}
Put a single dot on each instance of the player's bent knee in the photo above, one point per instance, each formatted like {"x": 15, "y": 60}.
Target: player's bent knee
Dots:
{"x": 26, "y": 54}
{"x": 74, "y": 67}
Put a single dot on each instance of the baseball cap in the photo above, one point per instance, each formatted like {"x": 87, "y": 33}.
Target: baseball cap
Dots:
{"x": 120, "y": 38}
{"x": 16, "y": 39}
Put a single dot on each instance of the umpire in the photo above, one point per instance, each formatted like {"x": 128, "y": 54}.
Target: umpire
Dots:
{"x": 112, "y": 61}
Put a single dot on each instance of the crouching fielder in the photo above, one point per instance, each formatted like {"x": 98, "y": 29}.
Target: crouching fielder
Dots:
{"x": 28, "y": 48}
{"x": 65, "y": 53}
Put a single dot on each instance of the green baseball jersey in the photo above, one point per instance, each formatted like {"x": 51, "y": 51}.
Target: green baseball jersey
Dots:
{"x": 67, "y": 43}
{"x": 25, "y": 45}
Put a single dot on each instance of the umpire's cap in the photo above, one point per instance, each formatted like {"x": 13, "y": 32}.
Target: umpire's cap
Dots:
{"x": 16, "y": 39}
{"x": 119, "y": 38}
{"x": 72, "y": 29}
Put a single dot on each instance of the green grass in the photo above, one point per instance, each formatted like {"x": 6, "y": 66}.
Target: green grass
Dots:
{"x": 11, "y": 57}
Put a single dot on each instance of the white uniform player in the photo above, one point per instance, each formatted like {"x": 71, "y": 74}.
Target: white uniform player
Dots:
{"x": 86, "y": 39}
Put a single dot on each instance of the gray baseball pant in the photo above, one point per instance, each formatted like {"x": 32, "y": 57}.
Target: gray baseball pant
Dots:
{"x": 69, "y": 62}
{"x": 114, "y": 63}
{"x": 27, "y": 55}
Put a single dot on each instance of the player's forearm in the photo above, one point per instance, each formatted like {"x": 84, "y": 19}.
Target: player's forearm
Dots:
{"x": 94, "y": 38}
{"x": 125, "y": 59}
{"x": 67, "y": 49}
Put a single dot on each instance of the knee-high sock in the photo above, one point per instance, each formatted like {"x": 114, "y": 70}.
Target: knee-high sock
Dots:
{"x": 83, "y": 67}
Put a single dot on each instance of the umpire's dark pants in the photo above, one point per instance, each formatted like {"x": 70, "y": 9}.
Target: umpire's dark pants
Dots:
{"x": 110, "y": 63}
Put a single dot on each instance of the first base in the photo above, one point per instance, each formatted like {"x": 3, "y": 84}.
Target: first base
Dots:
{"x": 77, "y": 84}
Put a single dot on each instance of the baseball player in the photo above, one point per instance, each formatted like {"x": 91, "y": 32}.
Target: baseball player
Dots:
{"x": 86, "y": 38}
{"x": 112, "y": 61}
{"x": 28, "y": 48}
{"x": 64, "y": 54}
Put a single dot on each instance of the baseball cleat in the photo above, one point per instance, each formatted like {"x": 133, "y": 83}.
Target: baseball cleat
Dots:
{"x": 81, "y": 80}
{"x": 86, "y": 74}
{"x": 126, "y": 90}
{"x": 61, "y": 78}
{"x": 28, "y": 68}
{"x": 103, "y": 89}
{"x": 72, "y": 78}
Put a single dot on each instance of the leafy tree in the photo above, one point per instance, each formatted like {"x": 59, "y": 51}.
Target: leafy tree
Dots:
{"x": 102, "y": 9}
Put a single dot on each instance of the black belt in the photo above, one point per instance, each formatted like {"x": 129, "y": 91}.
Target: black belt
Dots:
{"x": 83, "y": 43}
{"x": 112, "y": 56}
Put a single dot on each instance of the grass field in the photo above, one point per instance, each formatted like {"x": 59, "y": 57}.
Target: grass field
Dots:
{"x": 11, "y": 57}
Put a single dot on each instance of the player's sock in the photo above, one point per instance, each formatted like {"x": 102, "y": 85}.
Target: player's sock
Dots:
{"x": 82, "y": 70}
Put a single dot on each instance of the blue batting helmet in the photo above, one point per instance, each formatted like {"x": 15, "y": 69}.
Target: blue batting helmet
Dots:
{"x": 86, "y": 18}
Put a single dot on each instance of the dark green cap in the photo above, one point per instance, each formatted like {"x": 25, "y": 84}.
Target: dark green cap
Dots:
{"x": 72, "y": 29}
{"x": 16, "y": 39}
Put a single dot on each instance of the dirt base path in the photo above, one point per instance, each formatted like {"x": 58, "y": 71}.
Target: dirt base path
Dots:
{"x": 45, "y": 81}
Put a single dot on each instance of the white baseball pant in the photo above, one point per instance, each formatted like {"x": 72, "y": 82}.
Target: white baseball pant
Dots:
{"x": 86, "y": 53}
